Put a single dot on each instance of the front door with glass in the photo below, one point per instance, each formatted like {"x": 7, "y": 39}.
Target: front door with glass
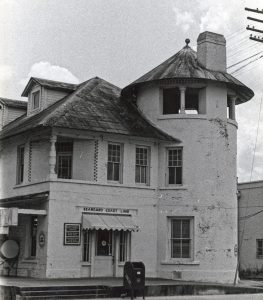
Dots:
{"x": 104, "y": 253}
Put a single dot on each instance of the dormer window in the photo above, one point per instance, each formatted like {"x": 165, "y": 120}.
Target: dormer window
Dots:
{"x": 180, "y": 100}
{"x": 36, "y": 100}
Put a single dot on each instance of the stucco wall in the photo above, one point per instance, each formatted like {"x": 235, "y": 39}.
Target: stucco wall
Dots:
{"x": 66, "y": 206}
{"x": 208, "y": 192}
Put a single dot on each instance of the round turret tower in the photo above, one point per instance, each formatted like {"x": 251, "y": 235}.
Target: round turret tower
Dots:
{"x": 191, "y": 97}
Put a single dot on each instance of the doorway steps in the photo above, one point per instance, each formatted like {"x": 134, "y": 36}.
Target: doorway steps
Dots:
{"x": 62, "y": 292}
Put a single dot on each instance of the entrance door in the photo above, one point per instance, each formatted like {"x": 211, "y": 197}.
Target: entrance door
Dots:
{"x": 104, "y": 253}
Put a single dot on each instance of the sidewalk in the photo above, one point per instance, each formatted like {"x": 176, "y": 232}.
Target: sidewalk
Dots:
{"x": 205, "y": 297}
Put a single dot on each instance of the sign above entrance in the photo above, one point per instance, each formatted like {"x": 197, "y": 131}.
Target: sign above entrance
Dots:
{"x": 107, "y": 210}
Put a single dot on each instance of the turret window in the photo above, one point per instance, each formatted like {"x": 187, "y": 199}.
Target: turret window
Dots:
{"x": 180, "y": 100}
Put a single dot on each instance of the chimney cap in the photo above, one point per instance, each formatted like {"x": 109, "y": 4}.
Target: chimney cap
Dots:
{"x": 212, "y": 37}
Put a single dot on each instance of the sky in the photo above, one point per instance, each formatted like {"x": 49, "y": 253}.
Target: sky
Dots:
{"x": 120, "y": 40}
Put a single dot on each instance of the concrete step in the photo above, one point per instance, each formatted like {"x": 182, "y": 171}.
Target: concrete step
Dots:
{"x": 63, "y": 292}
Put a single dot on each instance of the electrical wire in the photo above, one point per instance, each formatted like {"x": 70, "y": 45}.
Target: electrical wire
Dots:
{"x": 235, "y": 32}
{"x": 244, "y": 60}
{"x": 246, "y": 65}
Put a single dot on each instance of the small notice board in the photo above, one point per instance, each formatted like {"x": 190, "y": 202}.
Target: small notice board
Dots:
{"x": 72, "y": 234}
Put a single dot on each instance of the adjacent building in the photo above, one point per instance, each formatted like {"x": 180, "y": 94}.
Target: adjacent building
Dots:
{"x": 94, "y": 176}
{"x": 250, "y": 228}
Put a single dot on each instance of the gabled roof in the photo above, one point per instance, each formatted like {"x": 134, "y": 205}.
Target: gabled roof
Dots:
{"x": 56, "y": 85}
{"x": 95, "y": 105}
{"x": 14, "y": 103}
{"x": 184, "y": 65}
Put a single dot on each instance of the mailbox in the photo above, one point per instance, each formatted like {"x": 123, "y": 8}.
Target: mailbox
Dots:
{"x": 134, "y": 277}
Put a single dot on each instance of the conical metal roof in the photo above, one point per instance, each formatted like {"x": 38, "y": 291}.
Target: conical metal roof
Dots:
{"x": 184, "y": 64}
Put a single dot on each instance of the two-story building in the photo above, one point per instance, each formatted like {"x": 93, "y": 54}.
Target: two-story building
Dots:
{"x": 97, "y": 175}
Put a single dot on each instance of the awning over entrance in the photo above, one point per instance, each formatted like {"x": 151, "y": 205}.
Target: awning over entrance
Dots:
{"x": 109, "y": 222}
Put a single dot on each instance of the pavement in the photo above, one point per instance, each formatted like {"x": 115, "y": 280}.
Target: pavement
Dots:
{"x": 31, "y": 282}
{"x": 204, "y": 297}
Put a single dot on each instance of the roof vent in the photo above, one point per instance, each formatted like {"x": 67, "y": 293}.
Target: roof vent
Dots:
{"x": 211, "y": 51}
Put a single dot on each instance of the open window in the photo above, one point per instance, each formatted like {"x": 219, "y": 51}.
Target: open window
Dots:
{"x": 180, "y": 101}
{"x": 171, "y": 101}
{"x": 231, "y": 107}
{"x": 192, "y": 101}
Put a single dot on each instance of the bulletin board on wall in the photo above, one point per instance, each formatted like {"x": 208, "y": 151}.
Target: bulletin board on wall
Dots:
{"x": 72, "y": 234}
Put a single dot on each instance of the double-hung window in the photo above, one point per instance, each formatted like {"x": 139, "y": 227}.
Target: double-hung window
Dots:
{"x": 181, "y": 238}
{"x": 260, "y": 248}
{"x": 20, "y": 163}
{"x": 175, "y": 165}
{"x": 64, "y": 159}
{"x": 142, "y": 165}
{"x": 114, "y": 162}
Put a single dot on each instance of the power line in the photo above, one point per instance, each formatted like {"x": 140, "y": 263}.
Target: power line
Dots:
{"x": 235, "y": 33}
{"x": 246, "y": 64}
{"x": 244, "y": 59}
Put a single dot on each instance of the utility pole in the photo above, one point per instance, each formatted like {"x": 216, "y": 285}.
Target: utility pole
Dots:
{"x": 255, "y": 38}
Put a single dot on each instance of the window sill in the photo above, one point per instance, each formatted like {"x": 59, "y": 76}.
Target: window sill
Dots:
{"x": 182, "y": 116}
{"x": 180, "y": 262}
{"x": 114, "y": 182}
{"x": 29, "y": 261}
{"x": 85, "y": 263}
{"x": 174, "y": 187}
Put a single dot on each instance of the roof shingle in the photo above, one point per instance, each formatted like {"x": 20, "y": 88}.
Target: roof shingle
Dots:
{"x": 184, "y": 64}
{"x": 14, "y": 103}
{"x": 95, "y": 105}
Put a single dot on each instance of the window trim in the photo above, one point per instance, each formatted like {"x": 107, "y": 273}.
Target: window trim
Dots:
{"x": 169, "y": 238}
{"x": 37, "y": 92}
{"x": 120, "y": 163}
{"x": 64, "y": 154}
{"x": 167, "y": 167}
{"x": 148, "y": 166}
{"x": 20, "y": 171}
{"x": 86, "y": 246}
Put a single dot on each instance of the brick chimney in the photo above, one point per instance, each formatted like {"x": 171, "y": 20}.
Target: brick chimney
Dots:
{"x": 211, "y": 51}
